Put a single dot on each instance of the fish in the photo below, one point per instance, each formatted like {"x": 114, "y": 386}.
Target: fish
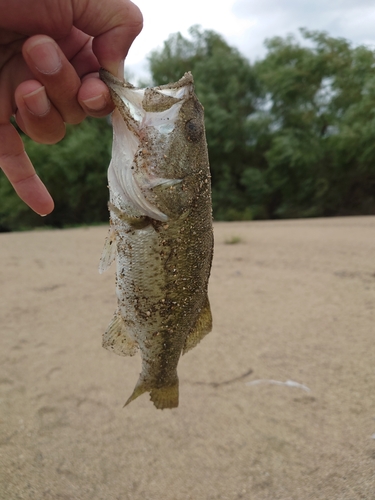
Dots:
{"x": 161, "y": 231}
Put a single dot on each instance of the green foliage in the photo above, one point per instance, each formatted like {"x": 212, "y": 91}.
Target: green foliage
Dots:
{"x": 321, "y": 126}
{"x": 74, "y": 171}
{"x": 292, "y": 136}
{"x": 226, "y": 85}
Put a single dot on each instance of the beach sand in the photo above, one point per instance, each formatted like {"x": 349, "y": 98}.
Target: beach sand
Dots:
{"x": 292, "y": 300}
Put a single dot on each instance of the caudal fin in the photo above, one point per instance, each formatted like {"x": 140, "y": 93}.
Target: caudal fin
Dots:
{"x": 165, "y": 397}
{"x": 162, "y": 397}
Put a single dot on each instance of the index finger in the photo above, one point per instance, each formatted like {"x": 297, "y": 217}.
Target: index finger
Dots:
{"x": 114, "y": 29}
{"x": 18, "y": 168}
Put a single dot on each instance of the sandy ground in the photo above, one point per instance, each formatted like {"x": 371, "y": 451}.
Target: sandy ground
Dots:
{"x": 293, "y": 300}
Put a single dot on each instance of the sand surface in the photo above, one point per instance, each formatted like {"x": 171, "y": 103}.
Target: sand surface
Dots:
{"x": 293, "y": 300}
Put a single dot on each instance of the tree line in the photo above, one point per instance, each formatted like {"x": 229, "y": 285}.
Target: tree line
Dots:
{"x": 292, "y": 135}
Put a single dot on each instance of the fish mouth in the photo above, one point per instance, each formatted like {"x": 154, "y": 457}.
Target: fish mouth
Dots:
{"x": 156, "y": 107}
{"x": 139, "y": 113}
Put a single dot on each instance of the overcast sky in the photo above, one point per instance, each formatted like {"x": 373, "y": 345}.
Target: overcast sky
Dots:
{"x": 245, "y": 24}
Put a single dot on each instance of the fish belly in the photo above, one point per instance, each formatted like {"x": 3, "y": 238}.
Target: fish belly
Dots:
{"x": 162, "y": 309}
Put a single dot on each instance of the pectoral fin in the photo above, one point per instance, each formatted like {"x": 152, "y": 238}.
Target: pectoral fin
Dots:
{"x": 135, "y": 222}
{"x": 202, "y": 328}
{"x": 117, "y": 340}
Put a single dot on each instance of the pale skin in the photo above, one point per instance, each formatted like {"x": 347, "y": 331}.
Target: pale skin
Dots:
{"x": 50, "y": 54}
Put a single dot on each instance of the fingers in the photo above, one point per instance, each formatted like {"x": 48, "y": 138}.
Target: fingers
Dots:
{"x": 94, "y": 96}
{"x": 36, "y": 115}
{"x": 41, "y": 121}
{"x": 56, "y": 95}
{"x": 42, "y": 108}
{"x": 20, "y": 172}
{"x": 53, "y": 70}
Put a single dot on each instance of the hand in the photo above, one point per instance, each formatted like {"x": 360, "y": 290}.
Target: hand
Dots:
{"x": 50, "y": 54}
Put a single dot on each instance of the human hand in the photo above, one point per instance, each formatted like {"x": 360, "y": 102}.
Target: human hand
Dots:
{"x": 50, "y": 54}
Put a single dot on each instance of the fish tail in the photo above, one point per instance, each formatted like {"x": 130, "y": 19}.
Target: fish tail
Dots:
{"x": 165, "y": 397}
{"x": 162, "y": 397}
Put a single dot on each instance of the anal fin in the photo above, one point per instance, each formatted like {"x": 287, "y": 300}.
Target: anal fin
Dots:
{"x": 139, "y": 389}
{"x": 117, "y": 340}
{"x": 202, "y": 327}
{"x": 139, "y": 222}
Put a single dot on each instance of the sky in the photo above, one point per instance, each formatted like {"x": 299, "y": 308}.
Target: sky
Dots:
{"x": 245, "y": 24}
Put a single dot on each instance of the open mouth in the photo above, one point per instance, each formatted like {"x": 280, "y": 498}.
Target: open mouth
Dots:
{"x": 140, "y": 113}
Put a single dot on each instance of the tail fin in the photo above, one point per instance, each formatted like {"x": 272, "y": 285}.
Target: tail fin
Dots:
{"x": 162, "y": 397}
{"x": 165, "y": 397}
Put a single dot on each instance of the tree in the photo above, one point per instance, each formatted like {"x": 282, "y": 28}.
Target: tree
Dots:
{"x": 321, "y": 97}
{"x": 226, "y": 85}
{"x": 290, "y": 136}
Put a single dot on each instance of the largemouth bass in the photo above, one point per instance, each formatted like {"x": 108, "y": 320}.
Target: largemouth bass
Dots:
{"x": 160, "y": 230}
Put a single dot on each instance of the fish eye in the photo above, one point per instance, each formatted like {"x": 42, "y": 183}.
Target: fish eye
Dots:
{"x": 193, "y": 130}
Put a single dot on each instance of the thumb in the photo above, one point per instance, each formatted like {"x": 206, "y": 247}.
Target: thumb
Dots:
{"x": 114, "y": 24}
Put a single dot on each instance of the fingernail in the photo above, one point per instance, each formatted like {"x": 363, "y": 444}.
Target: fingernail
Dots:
{"x": 96, "y": 103}
{"x": 45, "y": 57}
{"x": 43, "y": 215}
{"x": 37, "y": 102}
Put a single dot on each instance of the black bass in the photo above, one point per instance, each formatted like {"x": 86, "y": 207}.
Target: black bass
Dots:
{"x": 160, "y": 230}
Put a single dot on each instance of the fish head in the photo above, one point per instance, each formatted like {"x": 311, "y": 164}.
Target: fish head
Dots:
{"x": 159, "y": 154}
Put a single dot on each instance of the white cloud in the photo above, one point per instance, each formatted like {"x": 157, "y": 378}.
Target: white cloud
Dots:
{"x": 163, "y": 18}
{"x": 247, "y": 23}
{"x": 340, "y": 18}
